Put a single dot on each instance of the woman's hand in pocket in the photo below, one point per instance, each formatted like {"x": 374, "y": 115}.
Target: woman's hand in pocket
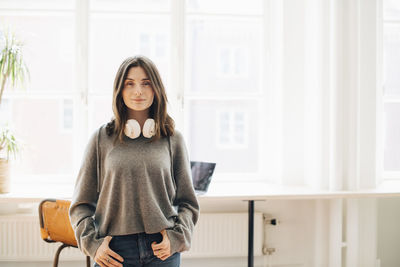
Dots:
{"x": 162, "y": 250}
{"x": 104, "y": 253}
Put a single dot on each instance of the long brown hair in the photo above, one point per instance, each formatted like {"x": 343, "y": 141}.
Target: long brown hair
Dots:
{"x": 164, "y": 124}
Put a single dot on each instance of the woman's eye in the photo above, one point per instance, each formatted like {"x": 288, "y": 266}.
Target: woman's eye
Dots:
{"x": 132, "y": 84}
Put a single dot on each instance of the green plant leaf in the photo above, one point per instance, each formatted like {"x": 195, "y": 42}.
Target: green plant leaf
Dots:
{"x": 13, "y": 70}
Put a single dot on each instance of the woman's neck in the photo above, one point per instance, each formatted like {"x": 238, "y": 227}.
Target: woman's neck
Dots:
{"x": 140, "y": 116}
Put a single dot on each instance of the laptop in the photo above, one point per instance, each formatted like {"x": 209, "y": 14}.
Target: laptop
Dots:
{"x": 201, "y": 175}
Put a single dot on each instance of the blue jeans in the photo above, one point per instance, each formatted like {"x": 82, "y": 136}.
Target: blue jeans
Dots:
{"x": 136, "y": 251}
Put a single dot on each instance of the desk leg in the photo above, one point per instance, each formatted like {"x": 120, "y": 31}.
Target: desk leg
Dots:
{"x": 250, "y": 256}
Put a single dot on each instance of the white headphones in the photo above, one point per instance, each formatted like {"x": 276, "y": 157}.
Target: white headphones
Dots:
{"x": 132, "y": 128}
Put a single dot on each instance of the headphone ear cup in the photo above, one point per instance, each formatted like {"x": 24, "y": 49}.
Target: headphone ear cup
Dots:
{"x": 132, "y": 128}
{"x": 149, "y": 128}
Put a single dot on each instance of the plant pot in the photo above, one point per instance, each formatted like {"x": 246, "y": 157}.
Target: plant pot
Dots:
{"x": 4, "y": 176}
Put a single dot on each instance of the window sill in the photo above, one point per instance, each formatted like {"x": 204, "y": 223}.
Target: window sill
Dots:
{"x": 34, "y": 193}
{"x": 266, "y": 191}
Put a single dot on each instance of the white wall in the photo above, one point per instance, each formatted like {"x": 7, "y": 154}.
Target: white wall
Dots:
{"x": 293, "y": 238}
{"x": 389, "y": 232}
{"x": 304, "y": 235}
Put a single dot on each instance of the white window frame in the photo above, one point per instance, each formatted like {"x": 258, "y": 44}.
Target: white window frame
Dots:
{"x": 177, "y": 96}
{"x": 385, "y": 175}
{"x": 38, "y": 9}
{"x": 268, "y": 78}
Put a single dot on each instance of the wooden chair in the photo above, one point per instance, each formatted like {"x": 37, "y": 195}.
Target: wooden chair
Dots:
{"x": 55, "y": 225}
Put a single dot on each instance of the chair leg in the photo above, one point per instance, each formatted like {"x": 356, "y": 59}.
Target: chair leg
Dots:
{"x": 87, "y": 261}
{"x": 56, "y": 257}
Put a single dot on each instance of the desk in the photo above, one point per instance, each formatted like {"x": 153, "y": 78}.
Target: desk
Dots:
{"x": 250, "y": 192}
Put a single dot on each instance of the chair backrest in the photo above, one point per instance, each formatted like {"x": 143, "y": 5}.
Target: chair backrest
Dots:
{"x": 55, "y": 225}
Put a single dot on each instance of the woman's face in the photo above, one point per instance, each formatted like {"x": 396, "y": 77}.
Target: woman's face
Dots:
{"x": 137, "y": 93}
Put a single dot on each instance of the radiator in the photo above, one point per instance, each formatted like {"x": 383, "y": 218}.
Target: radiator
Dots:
{"x": 215, "y": 235}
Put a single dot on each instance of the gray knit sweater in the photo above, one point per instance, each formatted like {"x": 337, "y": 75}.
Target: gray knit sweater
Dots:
{"x": 129, "y": 188}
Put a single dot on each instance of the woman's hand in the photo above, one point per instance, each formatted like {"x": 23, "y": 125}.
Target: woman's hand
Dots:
{"x": 162, "y": 250}
{"x": 104, "y": 253}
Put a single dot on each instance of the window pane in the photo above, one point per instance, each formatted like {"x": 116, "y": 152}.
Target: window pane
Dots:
{"x": 114, "y": 38}
{"x": 391, "y": 137}
{"x": 49, "y": 48}
{"x": 5, "y": 111}
{"x": 392, "y": 59}
{"x": 131, "y": 5}
{"x": 48, "y": 149}
{"x": 68, "y": 113}
{"x": 100, "y": 111}
{"x": 225, "y": 6}
{"x": 211, "y": 140}
{"x": 38, "y": 4}
{"x": 391, "y": 9}
{"x": 223, "y": 55}
{"x": 224, "y": 127}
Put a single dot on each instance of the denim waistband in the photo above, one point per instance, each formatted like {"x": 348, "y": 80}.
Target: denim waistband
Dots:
{"x": 136, "y": 236}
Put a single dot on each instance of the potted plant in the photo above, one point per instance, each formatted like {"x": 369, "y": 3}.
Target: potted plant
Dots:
{"x": 13, "y": 72}
{"x": 12, "y": 65}
{"x": 9, "y": 145}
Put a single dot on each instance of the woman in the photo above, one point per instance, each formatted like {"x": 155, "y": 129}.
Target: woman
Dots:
{"x": 134, "y": 202}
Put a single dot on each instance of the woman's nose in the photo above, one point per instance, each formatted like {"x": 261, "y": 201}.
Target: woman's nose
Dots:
{"x": 138, "y": 90}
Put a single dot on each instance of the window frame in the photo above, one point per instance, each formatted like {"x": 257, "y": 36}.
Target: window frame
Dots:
{"x": 261, "y": 96}
{"x": 177, "y": 96}
{"x": 384, "y": 99}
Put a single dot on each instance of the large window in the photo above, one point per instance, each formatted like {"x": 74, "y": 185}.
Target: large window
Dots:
{"x": 43, "y": 114}
{"x": 73, "y": 50}
{"x": 391, "y": 74}
{"x": 223, "y": 84}
{"x": 233, "y": 71}
{"x": 118, "y": 30}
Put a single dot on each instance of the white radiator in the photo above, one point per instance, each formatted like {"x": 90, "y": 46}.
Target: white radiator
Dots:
{"x": 216, "y": 235}
{"x": 225, "y": 235}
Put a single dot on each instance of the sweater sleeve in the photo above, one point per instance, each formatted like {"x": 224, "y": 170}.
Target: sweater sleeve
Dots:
{"x": 84, "y": 201}
{"x": 185, "y": 198}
